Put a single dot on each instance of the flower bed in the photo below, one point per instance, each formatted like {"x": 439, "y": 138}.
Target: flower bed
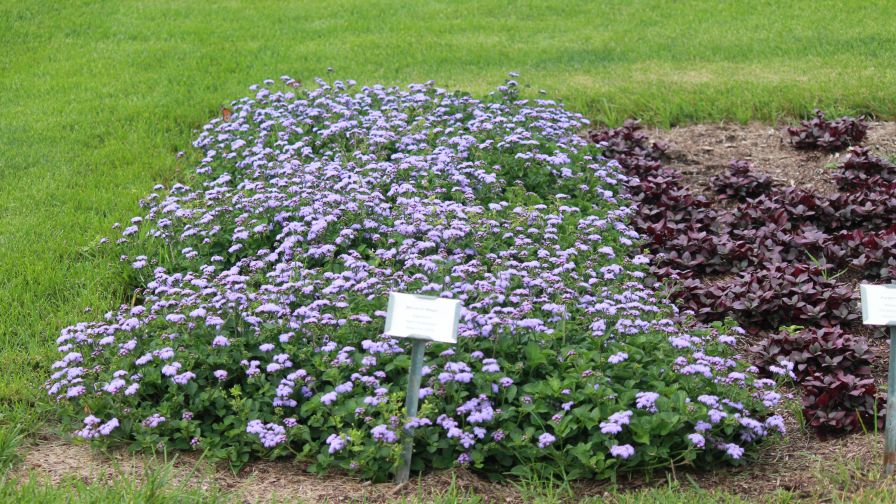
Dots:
{"x": 782, "y": 251}
{"x": 258, "y": 326}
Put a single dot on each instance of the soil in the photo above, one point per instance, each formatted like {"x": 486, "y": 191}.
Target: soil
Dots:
{"x": 814, "y": 469}
{"x": 702, "y": 151}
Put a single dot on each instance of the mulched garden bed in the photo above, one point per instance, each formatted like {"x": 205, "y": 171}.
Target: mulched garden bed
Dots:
{"x": 702, "y": 151}
{"x": 798, "y": 463}
{"x": 776, "y": 228}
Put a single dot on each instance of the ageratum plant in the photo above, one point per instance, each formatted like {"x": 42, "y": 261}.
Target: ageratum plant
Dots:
{"x": 258, "y": 330}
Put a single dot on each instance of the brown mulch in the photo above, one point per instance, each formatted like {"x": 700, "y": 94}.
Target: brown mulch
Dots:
{"x": 701, "y": 151}
{"x": 55, "y": 460}
{"x": 799, "y": 463}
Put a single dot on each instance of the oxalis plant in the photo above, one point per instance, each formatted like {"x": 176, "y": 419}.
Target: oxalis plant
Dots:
{"x": 256, "y": 328}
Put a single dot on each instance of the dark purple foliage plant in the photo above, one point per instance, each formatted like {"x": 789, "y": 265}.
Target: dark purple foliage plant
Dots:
{"x": 830, "y": 135}
{"x": 773, "y": 259}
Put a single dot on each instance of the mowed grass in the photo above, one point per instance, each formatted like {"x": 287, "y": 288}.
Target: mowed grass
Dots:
{"x": 97, "y": 97}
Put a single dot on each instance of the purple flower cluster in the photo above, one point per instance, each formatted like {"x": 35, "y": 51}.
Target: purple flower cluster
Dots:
{"x": 336, "y": 442}
{"x": 545, "y": 440}
{"x": 384, "y": 434}
{"x": 153, "y": 421}
{"x": 306, "y": 208}
{"x": 622, "y": 451}
{"x": 646, "y": 401}
{"x": 95, "y": 427}
{"x": 613, "y": 425}
{"x": 269, "y": 434}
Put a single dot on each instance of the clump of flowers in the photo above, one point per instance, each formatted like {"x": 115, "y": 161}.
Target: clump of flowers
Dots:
{"x": 264, "y": 279}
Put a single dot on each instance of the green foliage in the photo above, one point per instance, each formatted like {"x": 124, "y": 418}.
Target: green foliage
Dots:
{"x": 10, "y": 442}
{"x": 157, "y": 484}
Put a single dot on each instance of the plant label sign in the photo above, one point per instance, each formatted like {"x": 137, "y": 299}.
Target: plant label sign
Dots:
{"x": 422, "y": 317}
{"x": 878, "y": 304}
{"x": 879, "y": 308}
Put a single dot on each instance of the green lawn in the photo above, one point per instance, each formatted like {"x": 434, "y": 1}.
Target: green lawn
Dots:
{"x": 97, "y": 97}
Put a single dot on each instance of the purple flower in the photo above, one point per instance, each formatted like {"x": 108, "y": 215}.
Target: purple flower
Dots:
{"x": 770, "y": 398}
{"x": 108, "y": 427}
{"x": 697, "y": 439}
{"x": 416, "y": 423}
{"x": 734, "y": 451}
{"x": 617, "y": 358}
{"x": 716, "y": 416}
{"x": 164, "y": 354}
{"x": 490, "y": 366}
{"x": 382, "y": 433}
{"x": 77, "y": 390}
{"x": 709, "y": 400}
{"x": 545, "y": 440}
{"x": 183, "y": 378}
{"x": 621, "y": 417}
{"x": 610, "y": 428}
{"x": 94, "y": 428}
{"x": 775, "y": 422}
{"x": 728, "y": 340}
{"x": 336, "y": 442}
{"x": 171, "y": 369}
{"x": 114, "y": 386}
{"x": 269, "y": 434}
{"x": 329, "y": 398}
{"x": 479, "y": 410}
{"x": 622, "y": 451}
{"x": 646, "y": 400}
{"x": 153, "y": 421}
{"x": 268, "y": 308}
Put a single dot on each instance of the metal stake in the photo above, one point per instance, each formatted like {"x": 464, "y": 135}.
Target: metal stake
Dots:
{"x": 890, "y": 447}
{"x": 413, "y": 397}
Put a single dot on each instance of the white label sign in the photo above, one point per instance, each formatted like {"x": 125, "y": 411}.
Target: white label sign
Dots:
{"x": 422, "y": 317}
{"x": 878, "y": 304}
